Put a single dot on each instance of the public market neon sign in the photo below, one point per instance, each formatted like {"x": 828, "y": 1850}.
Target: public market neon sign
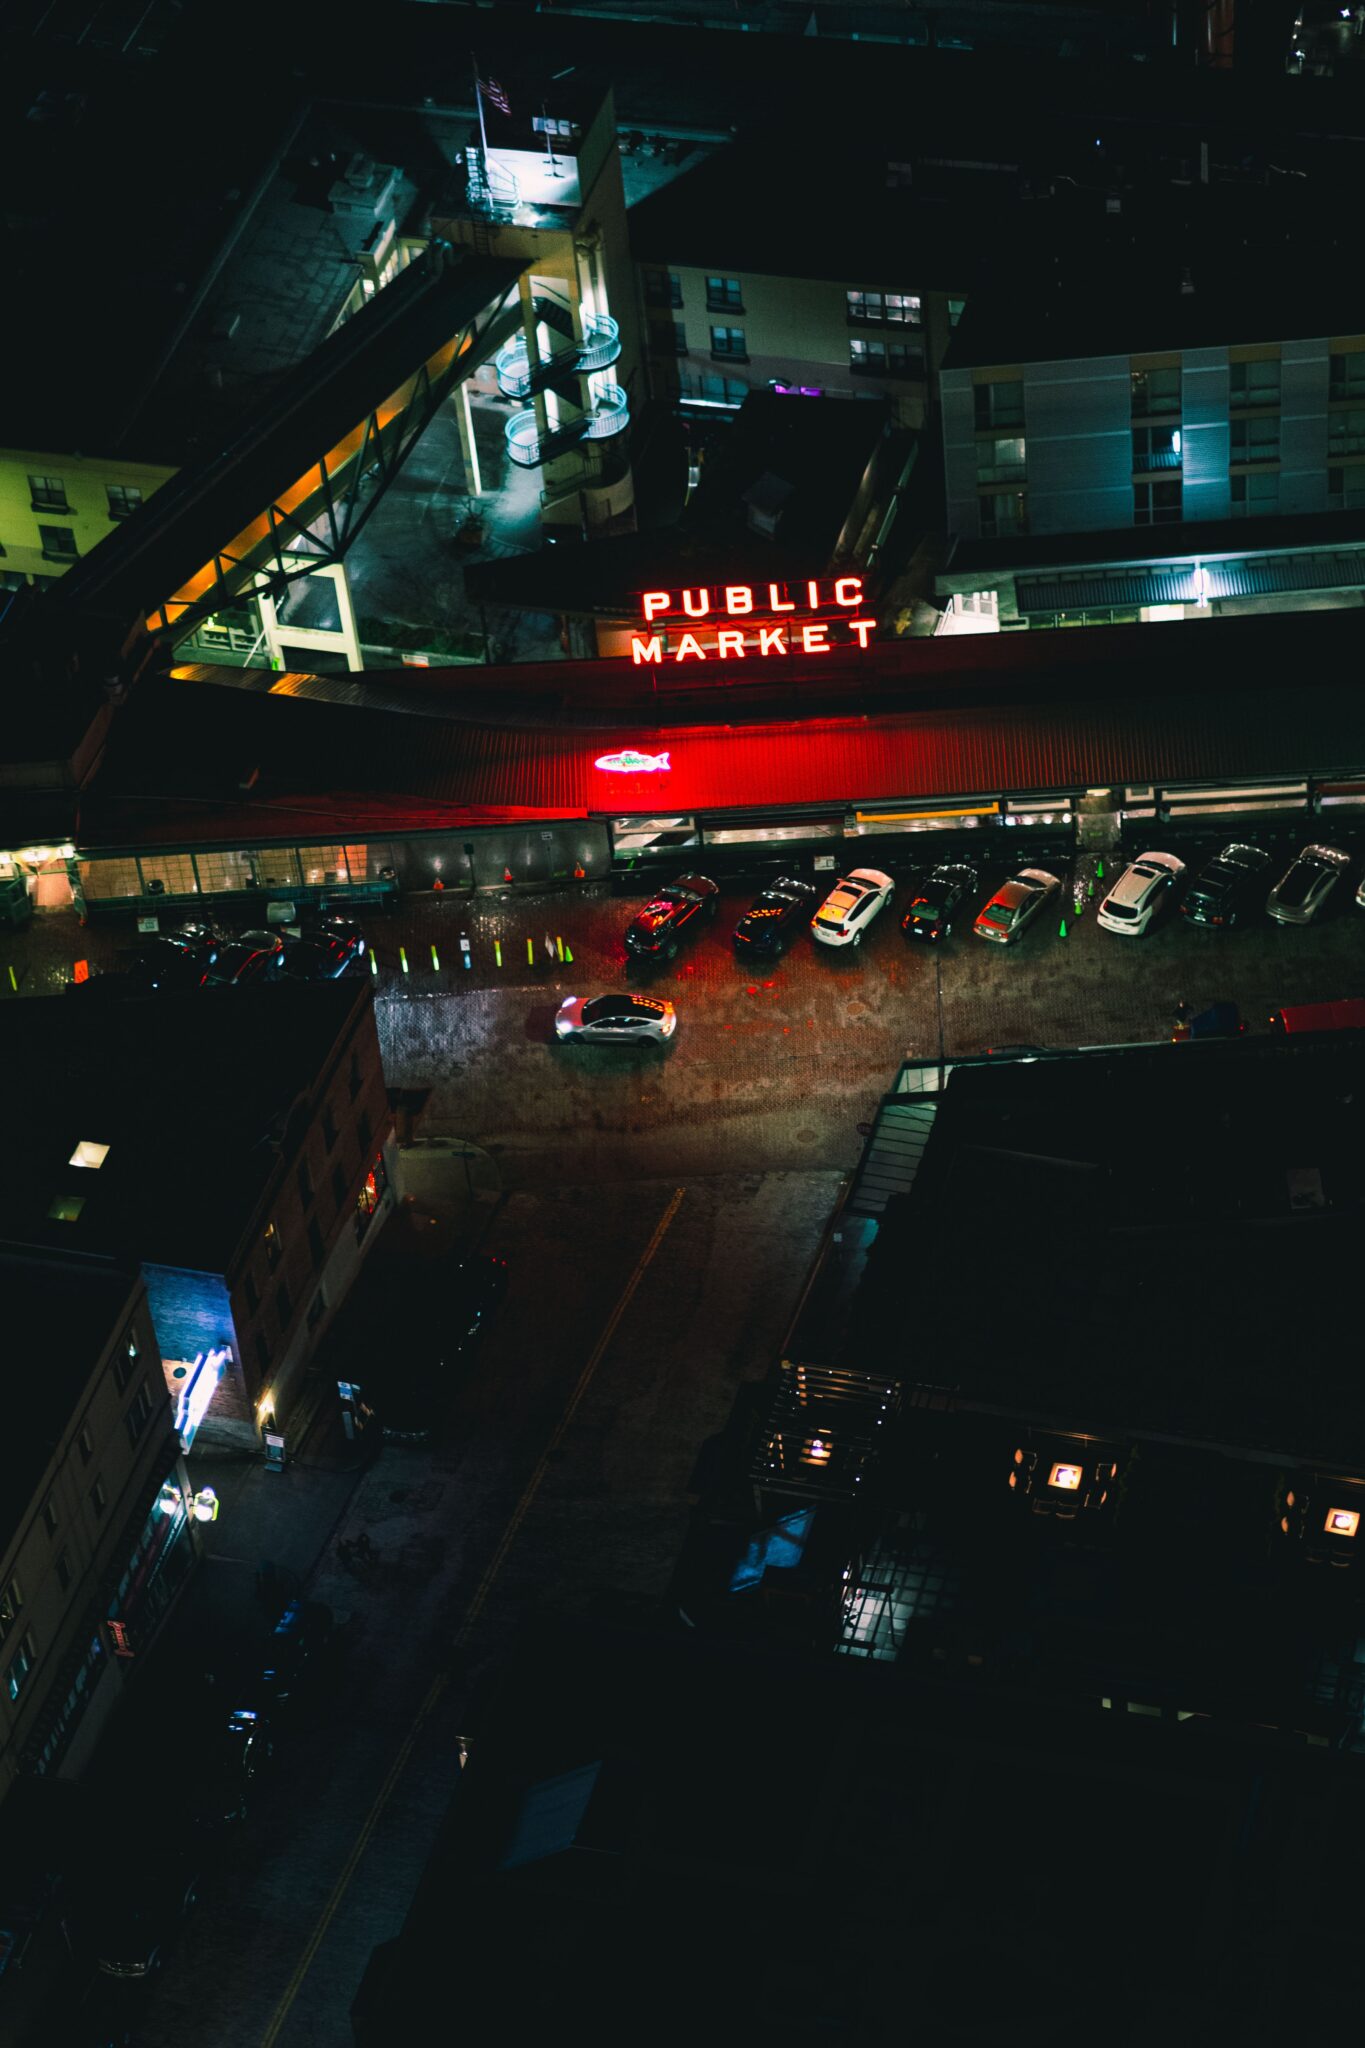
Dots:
{"x": 766, "y": 631}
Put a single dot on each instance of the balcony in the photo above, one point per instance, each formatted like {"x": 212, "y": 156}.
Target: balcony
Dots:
{"x": 518, "y": 376}
{"x": 528, "y": 447}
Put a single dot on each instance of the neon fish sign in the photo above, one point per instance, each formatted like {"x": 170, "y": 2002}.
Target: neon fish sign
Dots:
{"x": 765, "y": 630}
{"x": 628, "y": 762}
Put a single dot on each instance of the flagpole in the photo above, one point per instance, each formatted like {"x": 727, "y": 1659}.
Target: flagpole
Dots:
{"x": 483, "y": 132}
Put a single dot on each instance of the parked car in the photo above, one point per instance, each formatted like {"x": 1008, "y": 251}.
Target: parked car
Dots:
{"x": 327, "y": 928}
{"x": 1304, "y": 888}
{"x": 298, "y": 1640}
{"x": 616, "y": 1020}
{"x": 1015, "y": 904}
{"x": 245, "y": 959}
{"x": 237, "y": 1752}
{"x": 1228, "y": 889}
{"x": 197, "y": 937}
{"x": 1140, "y": 894}
{"x": 681, "y": 906}
{"x": 937, "y": 898}
{"x": 850, "y": 907}
{"x": 774, "y": 916}
{"x": 446, "y": 1308}
{"x": 160, "y": 967}
{"x": 317, "y": 960}
{"x": 138, "y": 1911}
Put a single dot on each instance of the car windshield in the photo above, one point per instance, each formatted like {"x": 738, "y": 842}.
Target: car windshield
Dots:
{"x": 1113, "y": 909}
{"x": 921, "y": 907}
{"x": 1147, "y": 874}
{"x": 605, "y": 1008}
{"x": 1300, "y": 881}
{"x": 998, "y": 913}
{"x": 768, "y": 906}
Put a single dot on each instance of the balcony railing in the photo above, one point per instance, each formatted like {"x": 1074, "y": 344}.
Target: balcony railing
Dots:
{"x": 518, "y": 376}
{"x": 528, "y": 447}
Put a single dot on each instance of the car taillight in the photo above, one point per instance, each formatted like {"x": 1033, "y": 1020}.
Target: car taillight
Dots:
{"x": 1215, "y": 920}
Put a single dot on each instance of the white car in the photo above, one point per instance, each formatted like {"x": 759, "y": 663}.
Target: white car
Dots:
{"x": 1140, "y": 894}
{"x": 616, "y": 1020}
{"x": 850, "y": 907}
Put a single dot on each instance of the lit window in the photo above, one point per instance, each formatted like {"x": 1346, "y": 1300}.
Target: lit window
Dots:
{"x": 66, "y": 1208}
{"x": 1067, "y": 1477}
{"x": 21, "y": 1666}
{"x": 1342, "y": 1522}
{"x": 816, "y": 1451}
{"x": 88, "y": 1153}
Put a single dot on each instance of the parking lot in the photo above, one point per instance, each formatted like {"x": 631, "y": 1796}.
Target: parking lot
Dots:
{"x": 772, "y": 1067}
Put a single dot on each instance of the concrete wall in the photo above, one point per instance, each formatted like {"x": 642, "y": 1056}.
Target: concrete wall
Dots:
{"x": 1303, "y": 426}
{"x": 1078, "y": 434}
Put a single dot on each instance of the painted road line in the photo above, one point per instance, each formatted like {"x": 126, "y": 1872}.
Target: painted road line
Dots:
{"x": 475, "y": 1609}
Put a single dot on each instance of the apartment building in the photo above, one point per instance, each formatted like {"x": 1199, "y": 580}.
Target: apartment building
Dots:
{"x": 97, "y": 1535}
{"x": 742, "y": 289}
{"x": 233, "y": 1144}
{"x": 1218, "y": 422}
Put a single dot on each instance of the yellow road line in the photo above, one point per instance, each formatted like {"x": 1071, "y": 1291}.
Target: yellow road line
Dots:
{"x": 476, "y": 1606}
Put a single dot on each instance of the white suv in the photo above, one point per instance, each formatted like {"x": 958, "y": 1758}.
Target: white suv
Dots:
{"x": 1140, "y": 894}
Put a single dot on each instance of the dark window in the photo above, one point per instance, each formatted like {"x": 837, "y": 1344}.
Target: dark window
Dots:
{"x": 1255, "y": 494}
{"x": 662, "y": 288}
{"x": 99, "y": 1499}
{"x": 678, "y": 332}
{"x": 1155, "y": 393}
{"x": 85, "y": 1446}
{"x": 59, "y": 543}
{"x": 884, "y": 359}
{"x": 48, "y": 494}
{"x": 362, "y": 1124}
{"x": 305, "y": 1180}
{"x": 252, "y": 1293}
{"x": 329, "y": 1126}
{"x": 721, "y": 390}
{"x": 262, "y": 1351}
{"x": 1346, "y": 432}
{"x": 317, "y": 1309}
{"x": 63, "y": 1571}
{"x": 1254, "y": 383}
{"x": 1157, "y": 504}
{"x": 339, "y": 1187}
{"x": 50, "y": 1517}
{"x": 284, "y": 1306}
{"x": 139, "y": 1411}
{"x": 729, "y": 341}
{"x": 1346, "y": 375}
{"x": 1003, "y": 513}
{"x": 1346, "y": 488}
{"x": 723, "y": 295}
{"x": 999, "y": 405}
{"x": 273, "y": 1247}
{"x": 125, "y": 1358}
{"x": 124, "y": 500}
{"x": 956, "y": 308}
{"x": 1003, "y": 459}
{"x": 11, "y": 1600}
{"x": 1256, "y": 440}
{"x": 354, "y": 1079}
{"x": 315, "y": 1244}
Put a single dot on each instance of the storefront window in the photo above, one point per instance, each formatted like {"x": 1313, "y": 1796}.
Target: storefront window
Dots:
{"x": 277, "y": 867}
{"x": 168, "y": 874}
{"x": 325, "y": 867}
{"x": 107, "y": 881}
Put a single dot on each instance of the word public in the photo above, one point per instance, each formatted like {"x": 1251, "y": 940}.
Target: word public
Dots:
{"x": 766, "y": 631}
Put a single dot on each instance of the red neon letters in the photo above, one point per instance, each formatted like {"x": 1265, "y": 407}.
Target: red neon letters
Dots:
{"x": 755, "y": 604}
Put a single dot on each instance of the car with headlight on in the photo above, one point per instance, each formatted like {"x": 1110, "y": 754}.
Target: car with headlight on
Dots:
{"x": 1304, "y": 888}
{"x": 615, "y": 1020}
{"x": 677, "y": 910}
{"x": 769, "y": 923}
{"x": 1140, "y": 894}
{"x": 851, "y": 905}
{"x": 1015, "y": 904}
{"x": 936, "y": 900}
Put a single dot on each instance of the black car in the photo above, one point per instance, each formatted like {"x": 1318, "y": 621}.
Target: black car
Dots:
{"x": 679, "y": 907}
{"x": 318, "y": 960}
{"x": 237, "y": 1752}
{"x": 161, "y": 967}
{"x": 326, "y": 928}
{"x": 138, "y": 1911}
{"x": 936, "y": 900}
{"x": 195, "y": 936}
{"x": 297, "y": 1643}
{"x": 1229, "y": 890}
{"x": 248, "y": 958}
{"x": 775, "y": 916}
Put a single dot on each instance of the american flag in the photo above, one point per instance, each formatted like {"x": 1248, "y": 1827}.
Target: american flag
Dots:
{"x": 495, "y": 95}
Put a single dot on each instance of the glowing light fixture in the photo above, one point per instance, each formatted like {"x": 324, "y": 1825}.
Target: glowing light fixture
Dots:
{"x": 1342, "y": 1522}
{"x": 88, "y": 1153}
{"x": 1066, "y": 1477}
{"x": 816, "y": 1451}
